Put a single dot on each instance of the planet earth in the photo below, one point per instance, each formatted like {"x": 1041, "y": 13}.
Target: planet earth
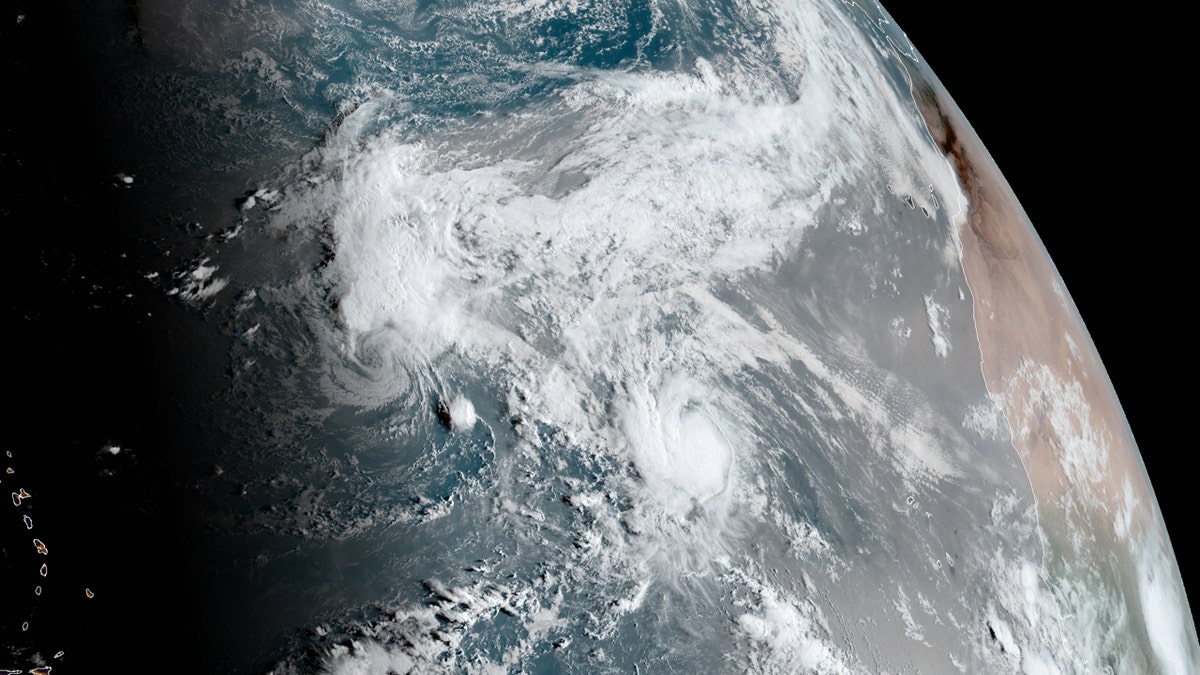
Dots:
{"x": 548, "y": 336}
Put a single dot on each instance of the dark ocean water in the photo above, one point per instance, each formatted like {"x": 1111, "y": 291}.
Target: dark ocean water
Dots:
{"x": 228, "y": 407}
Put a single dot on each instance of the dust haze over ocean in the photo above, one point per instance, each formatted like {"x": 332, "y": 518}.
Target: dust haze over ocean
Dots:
{"x": 680, "y": 279}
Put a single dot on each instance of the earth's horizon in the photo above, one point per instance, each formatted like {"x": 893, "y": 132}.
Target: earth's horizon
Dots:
{"x": 546, "y": 337}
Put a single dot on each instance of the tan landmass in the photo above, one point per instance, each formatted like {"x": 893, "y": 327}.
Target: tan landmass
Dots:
{"x": 1093, "y": 496}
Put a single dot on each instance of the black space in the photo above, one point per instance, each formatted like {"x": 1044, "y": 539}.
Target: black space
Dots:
{"x": 1078, "y": 109}
{"x": 1070, "y": 103}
